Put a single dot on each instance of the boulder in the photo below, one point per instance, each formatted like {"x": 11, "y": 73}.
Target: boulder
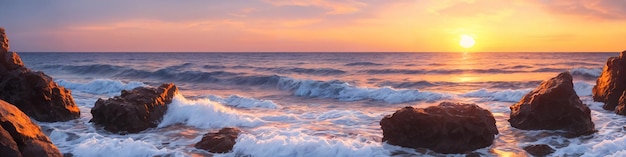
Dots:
{"x": 621, "y": 105}
{"x": 553, "y": 105}
{"x": 539, "y": 150}
{"x": 611, "y": 83}
{"x": 446, "y": 128}
{"x": 19, "y": 136}
{"x": 219, "y": 142}
{"x": 35, "y": 93}
{"x": 134, "y": 111}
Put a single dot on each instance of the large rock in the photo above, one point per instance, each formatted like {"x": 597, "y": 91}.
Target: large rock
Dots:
{"x": 446, "y": 128}
{"x": 19, "y": 136}
{"x": 219, "y": 142}
{"x": 611, "y": 83}
{"x": 553, "y": 105}
{"x": 35, "y": 93}
{"x": 539, "y": 150}
{"x": 134, "y": 111}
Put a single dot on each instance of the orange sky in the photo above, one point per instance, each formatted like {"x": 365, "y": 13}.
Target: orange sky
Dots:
{"x": 317, "y": 25}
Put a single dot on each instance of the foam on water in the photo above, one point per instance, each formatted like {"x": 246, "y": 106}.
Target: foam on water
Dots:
{"x": 269, "y": 141}
{"x": 100, "y": 86}
{"x": 583, "y": 88}
{"x": 589, "y": 72}
{"x": 347, "y": 92}
{"x": 243, "y": 102}
{"x": 204, "y": 113}
{"x": 96, "y": 147}
{"x": 508, "y": 95}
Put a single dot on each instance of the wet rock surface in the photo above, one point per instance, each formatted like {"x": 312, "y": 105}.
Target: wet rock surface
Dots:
{"x": 135, "y": 110}
{"x": 539, "y": 150}
{"x": 219, "y": 142}
{"x": 611, "y": 83}
{"x": 34, "y": 93}
{"x": 19, "y": 136}
{"x": 553, "y": 105}
{"x": 446, "y": 128}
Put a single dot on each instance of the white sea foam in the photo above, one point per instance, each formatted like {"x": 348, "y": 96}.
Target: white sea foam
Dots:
{"x": 592, "y": 72}
{"x": 100, "y": 86}
{"x": 583, "y": 88}
{"x": 204, "y": 113}
{"x": 104, "y": 147}
{"x": 508, "y": 95}
{"x": 348, "y": 117}
{"x": 347, "y": 92}
{"x": 280, "y": 142}
{"x": 243, "y": 102}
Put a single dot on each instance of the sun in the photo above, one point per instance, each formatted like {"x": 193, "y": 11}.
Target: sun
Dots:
{"x": 467, "y": 41}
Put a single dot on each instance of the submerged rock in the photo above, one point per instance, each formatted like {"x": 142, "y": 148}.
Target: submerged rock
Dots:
{"x": 19, "y": 136}
{"x": 34, "y": 93}
{"x": 446, "y": 128}
{"x": 611, "y": 83}
{"x": 134, "y": 111}
{"x": 553, "y": 105}
{"x": 219, "y": 142}
{"x": 539, "y": 150}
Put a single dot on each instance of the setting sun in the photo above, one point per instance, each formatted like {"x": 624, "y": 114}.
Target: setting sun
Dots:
{"x": 467, "y": 41}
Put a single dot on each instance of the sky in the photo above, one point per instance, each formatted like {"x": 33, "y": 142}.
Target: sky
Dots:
{"x": 314, "y": 25}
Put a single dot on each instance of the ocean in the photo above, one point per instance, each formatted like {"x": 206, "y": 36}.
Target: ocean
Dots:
{"x": 316, "y": 104}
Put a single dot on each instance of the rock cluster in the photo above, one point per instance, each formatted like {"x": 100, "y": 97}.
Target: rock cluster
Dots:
{"x": 134, "y": 111}
{"x": 34, "y": 93}
{"x": 446, "y": 128}
{"x": 219, "y": 142}
{"x": 19, "y": 136}
{"x": 611, "y": 85}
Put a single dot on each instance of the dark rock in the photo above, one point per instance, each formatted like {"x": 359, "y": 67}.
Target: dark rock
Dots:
{"x": 611, "y": 83}
{"x": 553, "y": 105}
{"x": 19, "y": 136}
{"x": 446, "y": 128}
{"x": 621, "y": 105}
{"x": 35, "y": 93}
{"x": 219, "y": 142}
{"x": 539, "y": 150}
{"x": 134, "y": 111}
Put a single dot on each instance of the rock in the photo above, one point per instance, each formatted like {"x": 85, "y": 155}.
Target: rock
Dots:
{"x": 446, "y": 128}
{"x": 553, "y": 105}
{"x": 34, "y": 93}
{"x": 4, "y": 41}
{"x": 19, "y": 136}
{"x": 621, "y": 105}
{"x": 611, "y": 83}
{"x": 219, "y": 142}
{"x": 134, "y": 111}
{"x": 539, "y": 150}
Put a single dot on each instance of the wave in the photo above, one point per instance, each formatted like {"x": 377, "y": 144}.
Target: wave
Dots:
{"x": 204, "y": 113}
{"x": 214, "y": 67}
{"x": 508, "y": 95}
{"x": 243, "y": 102}
{"x": 100, "y": 86}
{"x": 363, "y": 64}
{"x": 346, "y": 92}
{"x": 450, "y": 71}
{"x": 317, "y": 71}
{"x": 414, "y": 84}
{"x": 296, "y": 142}
{"x": 117, "y": 147}
{"x": 586, "y": 72}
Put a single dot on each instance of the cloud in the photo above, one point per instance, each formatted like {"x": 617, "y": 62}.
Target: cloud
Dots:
{"x": 335, "y": 6}
{"x": 594, "y": 9}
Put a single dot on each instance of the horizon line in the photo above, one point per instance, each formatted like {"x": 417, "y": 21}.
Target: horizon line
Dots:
{"x": 313, "y": 52}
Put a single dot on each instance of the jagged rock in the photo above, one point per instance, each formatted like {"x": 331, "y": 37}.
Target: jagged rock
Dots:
{"x": 446, "y": 128}
{"x": 134, "y": 111}
{"x": 539, "y": 150}
{"x": 35, "y": 93}
{"x": 19, "y": 136}
{"x": 621, "y": 105}
{"x": 611, "y": 83}
{"x": 219, "y": 142}
{"x": 553, "y": 105}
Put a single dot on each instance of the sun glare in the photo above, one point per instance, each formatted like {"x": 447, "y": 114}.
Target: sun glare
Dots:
{"x": 467, "y": 41}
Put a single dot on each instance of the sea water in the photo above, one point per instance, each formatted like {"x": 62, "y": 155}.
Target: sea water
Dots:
{"x": 316, "y": 104}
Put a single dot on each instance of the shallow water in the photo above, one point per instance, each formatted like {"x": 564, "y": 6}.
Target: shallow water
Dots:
{"x": 316, "y": 104}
